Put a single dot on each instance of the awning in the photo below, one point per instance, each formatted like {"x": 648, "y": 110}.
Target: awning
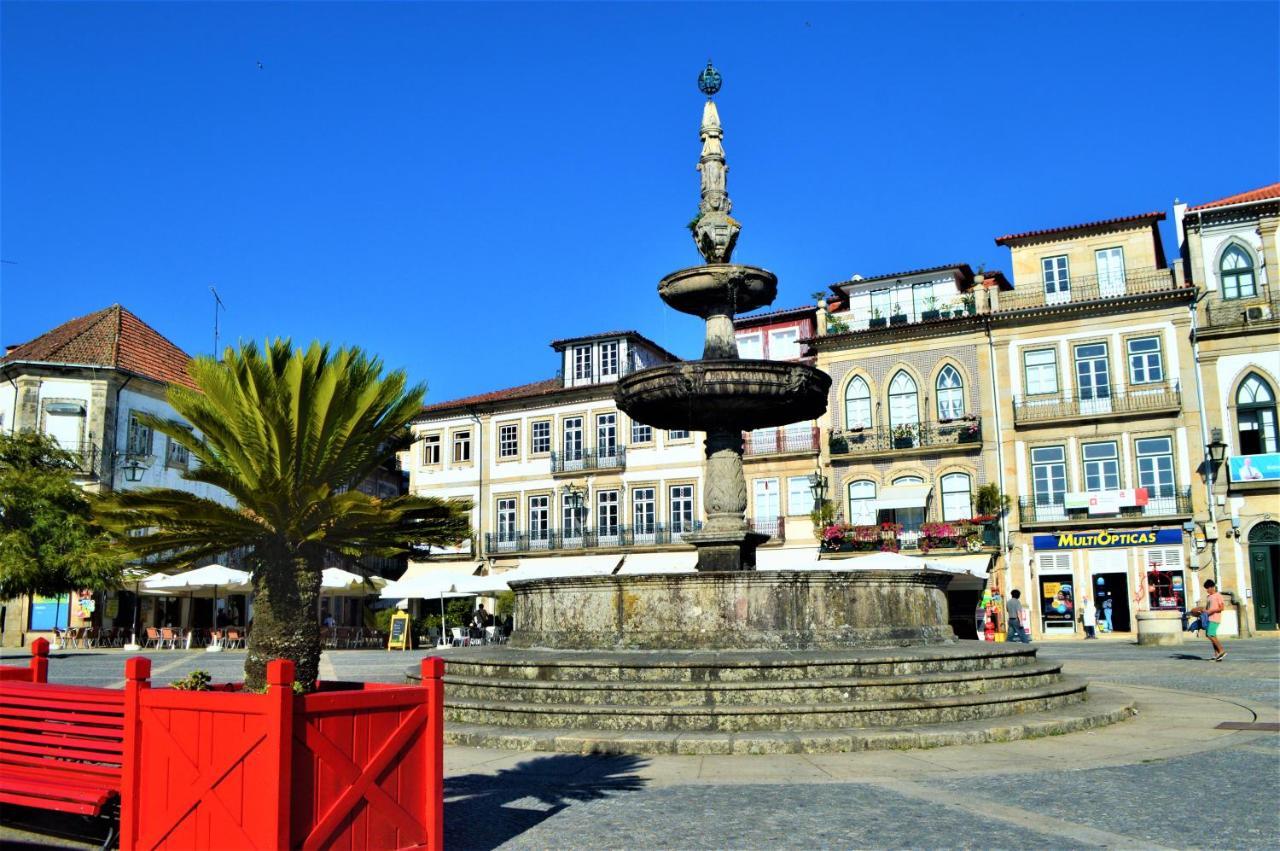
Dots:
{"x": 682, "y": 561}
{"x": 976, "y": 564}
{"x": 902, "y": 496}
{"x": 875, "y": 561}
{"x": 426, "y": 568}
{"x": 550, "y": 567}
{"x": 424, "y": 584}
{"x": 793, "y": 558}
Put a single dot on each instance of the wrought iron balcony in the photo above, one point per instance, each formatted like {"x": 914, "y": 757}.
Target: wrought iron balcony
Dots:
{"x": 600, "y": 458}
{"x": 592, "y": 538}
{"x": 1259, "y": 307}
{"x": 1112, "y": 401}
{"x": 955, "y": 434}
{"x": 1079, "y": 289}
{"x": 85, "y": 458}
{"x": 776, "y": 441}
{"x": 774, "y": 527}
{"x": 1034, "y": 511}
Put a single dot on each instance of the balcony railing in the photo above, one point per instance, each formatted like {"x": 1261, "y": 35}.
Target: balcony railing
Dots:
{"x": 609, "y": 537}
{"x": 775, "y": 441}
{"x": 930, "y": 435}
{"x": 1099, "y": 402}
{"x": 947, "y": 535}
{"x": 1085, "y": 288}
{"x": 85, "y": 458}
{"x": 600, "y": 458}
{"x": 1033, "y": 510}
{"x": 774, "y": 527}
{"x": 1263, "y": 305}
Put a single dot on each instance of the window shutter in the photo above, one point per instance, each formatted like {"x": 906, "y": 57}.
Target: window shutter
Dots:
{"x": 1165, "y": 558}
{"x": 1054, "y": 562}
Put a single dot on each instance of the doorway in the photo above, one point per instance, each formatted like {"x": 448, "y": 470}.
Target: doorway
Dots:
{"x": 1111, "y": 595}
{"x": 1264, "y": 573}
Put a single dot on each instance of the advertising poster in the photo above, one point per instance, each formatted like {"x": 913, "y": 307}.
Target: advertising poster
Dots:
{"x": 48, "y": 612}
{"x": 1255, "y": 468}
{"x": 1057, "y": 602}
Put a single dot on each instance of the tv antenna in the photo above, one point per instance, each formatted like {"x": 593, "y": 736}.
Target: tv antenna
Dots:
{"x": 217, "y": 305}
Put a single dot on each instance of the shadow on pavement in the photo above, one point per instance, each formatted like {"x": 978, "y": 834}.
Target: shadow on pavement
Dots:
{"x": 482, "y": 811}
{"x": 1190, "y": 656}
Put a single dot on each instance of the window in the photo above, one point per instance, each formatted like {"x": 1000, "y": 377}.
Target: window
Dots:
{"x": 862, "y": 502}
{"x": 1236, "y": 270}
{"x": 957, "y": 501}
{"x": 508, "y": 440}
{"x": 799, "y": 495}
{"x": 506, "y": 519}
{"x": 677, "y": 434}
{"x": 681, "y": 516}
{"x": 1256, "y": 416}
{"x": 539, "y": 517}
{"x": 1101, "y": 466}
{"x": 921, "y": 299}
{"x": 881, "y": 304}
{"x": 573, "y": 438}
{"x": 751, "y": 345}
{"x": 1057, "y": 281}
{"x": 904, "y": 408}
{"x": 644, "y": 515}
{"x": 641, "y": 433}
{"x": 581, "y": 362}
{"x": 1048, "y": 474}
{"x": 609, "y": 358}
{"x": 540, "y": 437}
{"x": 950, "y": 394}
{"x": 784, "y": 344}
{"x": 1041, "y": 368}
{"x": 461, "y": 446}
{"x": 430, "y": 450}
{"x": 572, "y": 512}
{"x": 607, "y": 434}
{"x": 140, "y": 437}
{"x": 175, "y": 454}
{"x": 1110, "y": 271}
{"x": 911, "y": 517}
{"x": 607, "y": 514}
{"x": 857, "y": 404}
{"x": 1155, "y": 466}
{"x": 1145, "y": 363}
{"x": 766, "y": 499}
{"x": 1093, "y": 377}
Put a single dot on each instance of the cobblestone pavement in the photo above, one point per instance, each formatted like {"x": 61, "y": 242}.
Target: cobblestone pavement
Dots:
{"x": 1167, "y": 779}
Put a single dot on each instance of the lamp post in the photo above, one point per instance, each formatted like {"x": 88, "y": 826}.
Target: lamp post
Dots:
{"x": 134, "y": 470}
{"x": 818, "y": 487}
{"x": 575, "y": 499}
{"x": 1217, "y": 449}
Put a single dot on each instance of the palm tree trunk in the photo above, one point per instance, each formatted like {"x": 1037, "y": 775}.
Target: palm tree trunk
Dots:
{"x": 286, "y": 589}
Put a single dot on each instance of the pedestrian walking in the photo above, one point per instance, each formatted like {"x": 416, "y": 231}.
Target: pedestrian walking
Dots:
{"x": 1017, "y": 617}
{"x": 1215, "y": 603}
{"x": 1089, "y": 617}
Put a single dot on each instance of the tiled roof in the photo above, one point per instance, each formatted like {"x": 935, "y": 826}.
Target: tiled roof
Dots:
{"x": 524, "y": 391}
{"x": 111, "y": 337}
{"x": 604, "y": 335}
{"x": 963, "y": 267}
{"x": 754, "y": 318}
{"x": 1266, "y": 193}
{"x": 1154, "y": 217}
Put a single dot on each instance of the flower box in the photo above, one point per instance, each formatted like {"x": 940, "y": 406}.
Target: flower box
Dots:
{"x": 898, "y": 319}
{"x": 878, "y": 322}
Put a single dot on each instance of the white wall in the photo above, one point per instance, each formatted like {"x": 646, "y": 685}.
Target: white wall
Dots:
{"x": 157, "y": 474}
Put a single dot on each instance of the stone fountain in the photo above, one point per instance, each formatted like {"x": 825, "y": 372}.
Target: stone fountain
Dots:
{"x": 730, "y": 659}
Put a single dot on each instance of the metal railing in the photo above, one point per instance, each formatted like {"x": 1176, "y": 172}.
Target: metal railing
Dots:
{"x": 589, "y": 538}
{"x": 1033, "y": 510}
{"x": 85, "y": 458}
{"x": 1084, "y": 288}
{"x": 1261, "y": 306}
{"x": 1099, "y": 402}
{"x": 774, "y": 441}
{"x": 600, "y": 458}
{"x": 774, "y": 527}
{"x": 921, "y": 435}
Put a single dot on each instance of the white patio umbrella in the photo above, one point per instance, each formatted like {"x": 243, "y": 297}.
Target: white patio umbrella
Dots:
{"x": 139, "y": 577}
{"x": 211, "y": 577}
{"x": 437, "y": 584}
{"x": 336, "y": 582}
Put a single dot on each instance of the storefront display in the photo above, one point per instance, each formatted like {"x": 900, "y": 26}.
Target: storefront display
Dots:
{"x": 1057, "y": 602}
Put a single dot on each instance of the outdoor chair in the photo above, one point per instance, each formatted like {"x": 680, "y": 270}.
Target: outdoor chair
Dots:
{"x": 459, "y": 640}
{"x": 153, "y": 638}
{"x": 169, "y": 638}
{"x": 235, "y": 638}
{"x": 490, "y": 635}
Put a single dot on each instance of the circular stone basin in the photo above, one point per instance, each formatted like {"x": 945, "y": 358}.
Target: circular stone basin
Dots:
{"x": 704, "y": 290}
{"x": 759, "y": 610}
{"x": 730, "y": 394}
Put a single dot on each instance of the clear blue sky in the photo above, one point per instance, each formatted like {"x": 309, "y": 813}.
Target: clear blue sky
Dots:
{"x": 453, "y": 186}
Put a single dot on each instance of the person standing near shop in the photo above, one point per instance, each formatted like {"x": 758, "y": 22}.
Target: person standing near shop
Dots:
{"x": 1014, "y": 612}
{"x": 1089, "y": 617}
{"x": 1213, "y": 607}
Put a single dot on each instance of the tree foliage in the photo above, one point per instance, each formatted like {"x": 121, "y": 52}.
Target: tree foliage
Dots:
{"x": 289, "y": 435}
{"x": 49, "y": 543}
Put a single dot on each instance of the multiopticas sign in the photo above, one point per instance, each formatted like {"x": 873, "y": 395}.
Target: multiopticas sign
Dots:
{"x": 1092, "y": 539}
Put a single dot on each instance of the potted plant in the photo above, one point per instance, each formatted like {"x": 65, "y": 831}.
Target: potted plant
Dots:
{"x": 877, "y": 321}
{"x": 945, "y": 311}
{"x": 970, "y": 303}
{"x": 898, "y": 317}
{"x": 838, "y": 445}
{"x": 970, "y": 431}
{"x": 904, "y": 436}
{"x": 931, "y": 309}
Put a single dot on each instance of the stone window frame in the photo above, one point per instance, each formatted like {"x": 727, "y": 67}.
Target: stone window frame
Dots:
{"x": 922, "y": 405}
{"x": 498, "y": 499}
{"x": 848, "y": 500}
{"x": 1068, "y": 463}
{"x": 497, "y": 436}
{"x": 1153, "y": 334}
{"x": 439, "y": 447}
{"x": 1107, "y": 341}
{"x": 961, "y": 372}
{"x": 630, "y": 499}
{"x": 872, "y": 393}
{"x": 129, "y": 447}
{"x": 1154, "y": 434}
{"x": 1057, "y": 371}
{"x": 454, "y": 435}
{"x": 667, "y": 487}
{"x": 631, "y": 432}
{"x": 529, "y": 497}
{"x": 668, "y": 440}
{"x": 1100, "y": 440}
{"x": 84, "y": 435}
{"x": 534, "y": 452}
{"x": 1251, "y": 253}
{"x": 1233, "y": 404}
{"x": 581, "y": 414}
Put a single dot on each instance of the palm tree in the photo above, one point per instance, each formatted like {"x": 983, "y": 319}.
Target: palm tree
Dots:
{"x": 288, "y": 435}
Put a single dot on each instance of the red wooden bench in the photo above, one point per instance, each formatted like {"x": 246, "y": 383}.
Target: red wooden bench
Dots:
{"x": 35, "y": 671}
{"x": 61, "y": 747}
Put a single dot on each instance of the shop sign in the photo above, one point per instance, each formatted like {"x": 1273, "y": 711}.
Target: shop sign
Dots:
{"x": 48, "y": 612}
{"x": 1255, "y": 468}
{"x": 1095, "y": 539}
{"x": 1105, "y": 502}
{"x": 1057, "y": 602}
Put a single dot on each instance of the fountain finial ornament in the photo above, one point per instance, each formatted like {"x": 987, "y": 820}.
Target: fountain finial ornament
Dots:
{"x": 715, "y": 232}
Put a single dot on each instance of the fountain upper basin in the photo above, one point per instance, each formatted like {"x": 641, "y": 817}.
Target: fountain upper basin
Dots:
{"x": 706, "y": 290}
{"x": 732, "y": 394}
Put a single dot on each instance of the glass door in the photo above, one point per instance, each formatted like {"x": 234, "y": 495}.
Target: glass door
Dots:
{"x": 1093, "y": 379}
{"x": 1110, "y": 271}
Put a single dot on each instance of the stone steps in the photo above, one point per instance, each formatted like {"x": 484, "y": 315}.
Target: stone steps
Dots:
{"x": 782, "y": 692}
{"x": 778, "y": 717}
{"x": 1097, "y": 710}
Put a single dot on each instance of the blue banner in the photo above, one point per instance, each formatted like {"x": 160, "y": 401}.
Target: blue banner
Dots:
{"x": 48, "y": 612}
{"x": 1255, "y": 468}
{"x": 1093, "y": 539}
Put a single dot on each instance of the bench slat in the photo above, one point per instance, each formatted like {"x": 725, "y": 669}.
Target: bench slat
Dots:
{"x": 89, "y": 774}
{"x": 23, "y": 728}
{"x": 22, "y": 778}
{"x": 65, "y": 752}
{"x": 47, "y": 692}
{"x": 84, "y": 808}
{"x": 68, "y": 717}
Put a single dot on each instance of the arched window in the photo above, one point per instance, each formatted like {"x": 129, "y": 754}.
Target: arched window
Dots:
{"x": 913, "y": 516}
{"x": 857, "y": 404}
{"x": 904, "y": 406}
{"x": 957, "y": 499}
{"x": 1256, "y": 416}
{"x": 950, "y": 391}
{"x": 1236, "y": 269}
{"x": 862, "y": 502}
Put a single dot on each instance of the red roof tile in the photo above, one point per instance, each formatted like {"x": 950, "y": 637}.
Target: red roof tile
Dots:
{"x": 1266, "y": 193}
{"x": 111, "y": 337}
{"x": 537, "y": 388}
{"x": 804, "y": 310}
{"x": 604, "y": 335}
{"x": 1153, "y": 217}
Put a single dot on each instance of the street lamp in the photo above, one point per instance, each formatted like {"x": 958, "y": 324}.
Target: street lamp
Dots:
{"x": 134, "y": 470}
{"x": 574, "y": 497}
{"x": 1217, "y": 449}
{"x": 818, "y": 487}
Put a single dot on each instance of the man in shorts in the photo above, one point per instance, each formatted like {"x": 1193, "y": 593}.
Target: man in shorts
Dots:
{"x": 1214, "y": 604}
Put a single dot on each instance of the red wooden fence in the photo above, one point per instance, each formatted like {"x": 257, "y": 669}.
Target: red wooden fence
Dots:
{"x": 36, "y": 671}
